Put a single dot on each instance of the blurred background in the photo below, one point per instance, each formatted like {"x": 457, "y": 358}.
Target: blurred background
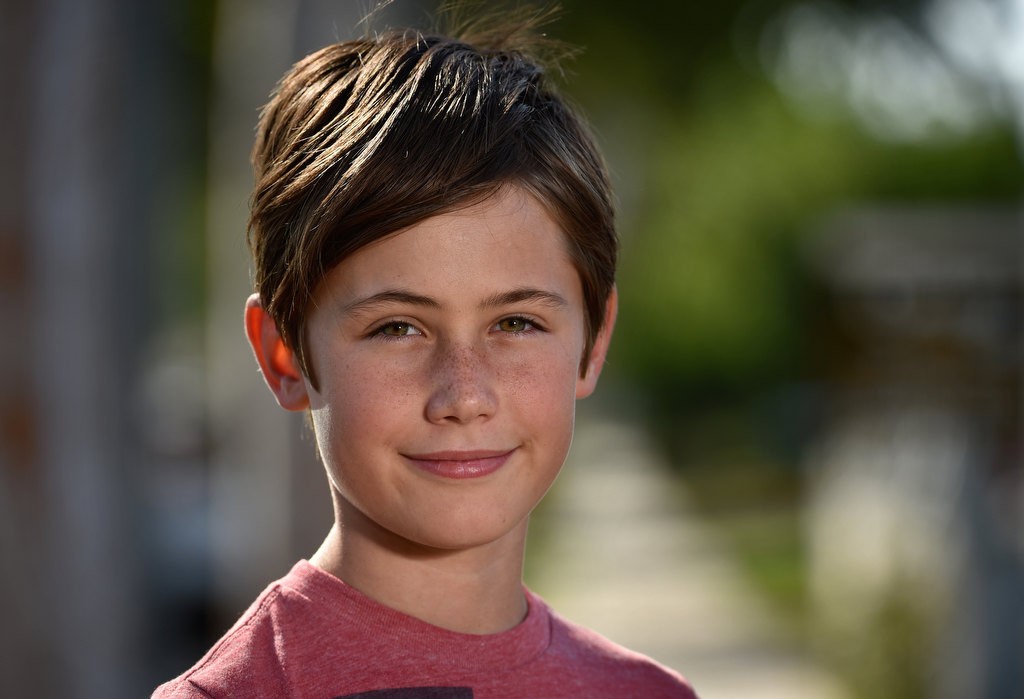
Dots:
{"x": 810, "y": 423}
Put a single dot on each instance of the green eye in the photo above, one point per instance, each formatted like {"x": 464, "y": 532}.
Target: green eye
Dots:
{"x": 514, "y": 325}
{"x": 397, "y": 329}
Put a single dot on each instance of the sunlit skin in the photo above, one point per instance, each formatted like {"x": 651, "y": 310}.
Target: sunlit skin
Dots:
{"x": 447, "y": 359}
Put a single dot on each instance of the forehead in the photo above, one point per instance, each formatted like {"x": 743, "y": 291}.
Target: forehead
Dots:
{"x": 508, "y": 239}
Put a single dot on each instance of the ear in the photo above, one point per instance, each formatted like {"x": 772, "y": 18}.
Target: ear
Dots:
{"x": 587, "y": 382}
{"x": 277, "y": 361}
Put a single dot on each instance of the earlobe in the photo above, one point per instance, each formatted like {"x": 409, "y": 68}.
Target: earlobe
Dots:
{"x": 587, "y": 382}
{"x": 277, "y": 361}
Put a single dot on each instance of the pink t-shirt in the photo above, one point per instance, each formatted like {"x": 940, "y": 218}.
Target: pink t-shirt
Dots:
{"x": 311, "y": 635}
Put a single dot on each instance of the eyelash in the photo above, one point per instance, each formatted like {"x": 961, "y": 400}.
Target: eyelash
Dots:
{"x": 380, "y": 333}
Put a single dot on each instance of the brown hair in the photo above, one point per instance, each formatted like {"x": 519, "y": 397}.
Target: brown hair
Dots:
{"x": 366, "y": 137}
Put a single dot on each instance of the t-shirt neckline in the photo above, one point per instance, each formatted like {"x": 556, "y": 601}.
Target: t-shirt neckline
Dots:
{"x": 460, "y": 652}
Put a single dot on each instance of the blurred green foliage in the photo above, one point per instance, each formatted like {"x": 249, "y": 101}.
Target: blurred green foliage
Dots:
{"x": 186, "y": 34}
{"x": 722, "y": 179}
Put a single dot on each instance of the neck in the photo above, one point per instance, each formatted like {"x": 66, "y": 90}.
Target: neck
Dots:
{"x": 477, "y": 590}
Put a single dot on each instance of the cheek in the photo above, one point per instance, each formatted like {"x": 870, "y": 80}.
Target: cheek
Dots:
{"x": 355, "y": 398}
{"x": 357, "y": 402}
{"x": 542, "y": 389}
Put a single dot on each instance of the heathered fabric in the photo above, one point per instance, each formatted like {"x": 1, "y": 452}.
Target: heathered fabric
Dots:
{"x": 311, "y": 635}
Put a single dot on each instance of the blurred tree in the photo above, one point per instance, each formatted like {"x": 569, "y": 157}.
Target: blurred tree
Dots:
{"x": 720, "y": 174}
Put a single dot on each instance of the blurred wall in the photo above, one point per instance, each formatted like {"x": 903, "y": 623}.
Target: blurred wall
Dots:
{"x": 94, "y": 144}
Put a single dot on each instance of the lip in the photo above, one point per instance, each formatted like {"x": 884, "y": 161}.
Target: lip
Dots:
{"x": 461, "y": 465}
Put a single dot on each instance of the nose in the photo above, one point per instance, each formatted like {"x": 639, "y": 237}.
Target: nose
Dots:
{"x": 463, "y": 386}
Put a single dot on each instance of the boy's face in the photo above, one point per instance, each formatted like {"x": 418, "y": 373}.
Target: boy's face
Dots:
{"x": 448, "y": 359}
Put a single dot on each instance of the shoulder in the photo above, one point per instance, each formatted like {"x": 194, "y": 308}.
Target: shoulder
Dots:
{"x": 245, "y": 655}
{"x": 616, "y": 670}
{"x": 246, "y": 661}
{"x": 179, "y": 689}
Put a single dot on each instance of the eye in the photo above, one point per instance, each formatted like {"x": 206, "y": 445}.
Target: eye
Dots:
{"x": 397, "y": 328}
{"x": 515, "y": 324}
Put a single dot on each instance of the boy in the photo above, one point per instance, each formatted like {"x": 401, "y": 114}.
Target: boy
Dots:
{"x": 435, "y": 252}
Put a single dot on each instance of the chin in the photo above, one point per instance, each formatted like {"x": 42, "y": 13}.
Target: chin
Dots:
{"x": 469, "y": 532}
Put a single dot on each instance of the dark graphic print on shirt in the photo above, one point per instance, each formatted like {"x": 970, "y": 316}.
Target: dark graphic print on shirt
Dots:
{"x": 414, "y": 693}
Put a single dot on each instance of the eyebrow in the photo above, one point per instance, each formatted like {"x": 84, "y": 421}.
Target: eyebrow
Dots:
{"x": 496, "y": 300}
{"x": 391, "y": 296}
{"x": 508, "y": 298}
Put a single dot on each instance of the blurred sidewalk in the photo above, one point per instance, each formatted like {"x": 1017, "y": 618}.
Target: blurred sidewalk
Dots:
{"x": 625, "y": 556}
